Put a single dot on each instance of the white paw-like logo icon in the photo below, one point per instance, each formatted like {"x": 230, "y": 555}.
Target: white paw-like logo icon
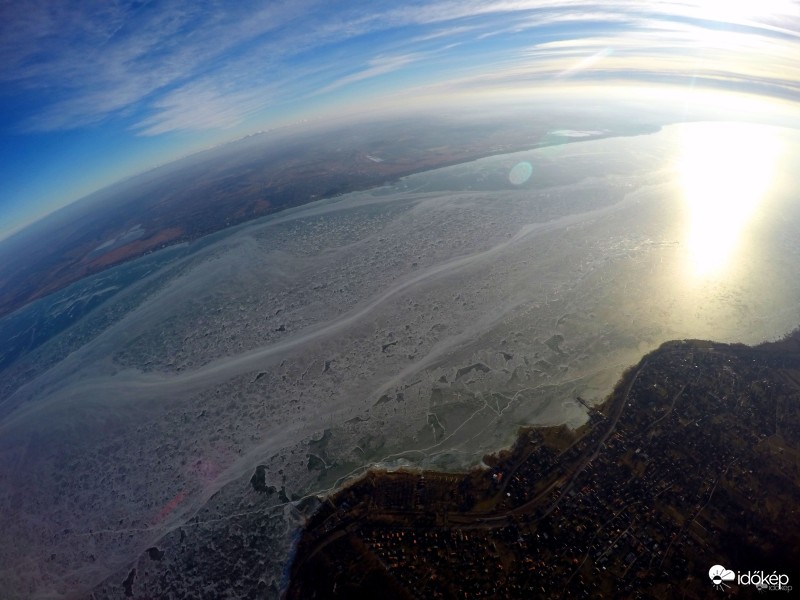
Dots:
{"x": 719, "y": 575}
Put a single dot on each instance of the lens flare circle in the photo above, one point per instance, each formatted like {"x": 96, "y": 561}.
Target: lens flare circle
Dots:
{"x": 520, "y": 173}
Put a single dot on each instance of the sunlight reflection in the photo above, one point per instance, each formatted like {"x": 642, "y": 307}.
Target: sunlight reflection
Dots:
{"x": 725, "y": 170}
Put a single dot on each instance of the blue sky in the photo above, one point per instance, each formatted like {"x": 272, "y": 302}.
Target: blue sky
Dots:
{"x": 93, "y": 91}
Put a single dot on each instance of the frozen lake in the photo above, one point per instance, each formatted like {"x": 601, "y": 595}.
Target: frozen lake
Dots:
{"x": 420, "y": 324}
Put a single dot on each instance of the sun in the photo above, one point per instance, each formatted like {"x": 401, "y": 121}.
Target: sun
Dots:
{"x": 725, "y": 171}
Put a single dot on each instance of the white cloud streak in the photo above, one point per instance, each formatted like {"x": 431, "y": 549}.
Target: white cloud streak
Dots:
{"x": 189, "y": 65}
{"x": 377, "y": 66}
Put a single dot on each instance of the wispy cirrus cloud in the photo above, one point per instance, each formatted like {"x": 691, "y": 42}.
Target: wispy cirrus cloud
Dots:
{"x": 375, "y": 67}
{"x": 90, "y": 61}
{"x": 201, "y": 105}
{"x": 189, "y": 65}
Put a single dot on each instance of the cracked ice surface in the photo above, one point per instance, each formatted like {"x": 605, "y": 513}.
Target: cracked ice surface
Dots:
{"x": 418, "y": 324}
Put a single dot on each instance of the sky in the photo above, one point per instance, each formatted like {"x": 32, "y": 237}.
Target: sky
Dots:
{"x": 95, "y": 91}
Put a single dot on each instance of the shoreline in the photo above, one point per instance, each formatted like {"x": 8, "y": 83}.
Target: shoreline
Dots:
{"x": 538, "y": 481}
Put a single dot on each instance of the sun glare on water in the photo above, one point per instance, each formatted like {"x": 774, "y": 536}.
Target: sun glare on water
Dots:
{"x": 726, "y": 170}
